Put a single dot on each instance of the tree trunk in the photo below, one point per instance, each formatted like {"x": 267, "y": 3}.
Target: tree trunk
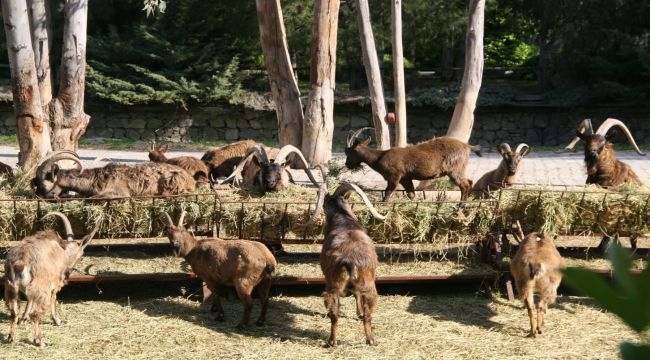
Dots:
{"x": 462, "y": 120}
{"x": 284, "y": 85}
{"x": 66, "y": 111}
{"x": 318, "y": 129}
{"x": 398, "y": 75}
{"x": 33, "y": 130}
{"x": 40, "y": 18}
{"x": 373, "y": 74}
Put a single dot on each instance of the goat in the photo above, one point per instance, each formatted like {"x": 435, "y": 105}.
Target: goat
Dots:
{"x": 194, "y": 166}
{"x": 603, "y": 168}
{"x": 243, "y": 264}
{"x": 426, "y": 160}
{"x": 348, "y": 258}
{"x": 506, "y": 172}
{"x": 536, "y": 267}
{"x": 265, "y": 173}
{"x": 6, "y": 170}
{"x": 39, "y": 266}
{"x": 112, "y": 180}
{"x": 222, "y": 160}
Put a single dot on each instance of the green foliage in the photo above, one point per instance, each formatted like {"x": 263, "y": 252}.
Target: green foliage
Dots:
{"x": 629, "y": 299}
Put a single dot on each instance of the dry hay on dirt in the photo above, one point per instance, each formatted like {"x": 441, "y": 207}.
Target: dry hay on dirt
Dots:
{"x": 405, "y": 326}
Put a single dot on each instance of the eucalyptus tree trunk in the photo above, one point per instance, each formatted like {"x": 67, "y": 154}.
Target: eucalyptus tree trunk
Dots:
{"x": 32, "y": 126}
{"x": 398, "y": 75}
{"x": 373, "y": 74}
{"x": 462, "y": 120}
{"x": 284, "y": 85}
{"x": 44, "y": 122}
{"x": 318, "y": 128}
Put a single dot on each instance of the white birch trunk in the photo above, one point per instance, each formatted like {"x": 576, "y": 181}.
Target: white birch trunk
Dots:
{"x": 398, "y": 74}
{"x": 462, "y": 120}
{"x": 371, "y": 64}
{"x": 41, "y": 28}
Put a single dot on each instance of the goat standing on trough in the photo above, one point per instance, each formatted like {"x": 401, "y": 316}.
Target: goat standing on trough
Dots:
{"x": 536, "y": 267}
{"x": 348, "y": 258}
{"x": 266, "y": 173}
{"x": 194, "y": 166}
{"x": 243, "y": 264}
{"x": 111, "y": 181}
{"x": 39, "y": 266}
{"x": 505, "y": 174}
{"x": 222, "y": 160}
{"x": 603, "y": 168}
{"x": 423, "y": 161}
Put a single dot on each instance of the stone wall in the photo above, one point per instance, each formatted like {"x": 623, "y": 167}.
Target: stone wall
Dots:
{"x": 547, "y": 126}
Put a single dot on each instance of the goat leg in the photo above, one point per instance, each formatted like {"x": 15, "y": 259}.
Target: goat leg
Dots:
{"x": 530, "y": 306}
{"x": 55, "y": 315}
{"x": 35, "y": 317}
{"x": 333, "y": 309}
{"x": 247, "y": 301}
{"x": 263, "y": 289}
{"x": 369, "y": 302}
{"x": 390, "y": 188}
{"x": 12, "y": 300}
{"x": 408, "y": 186}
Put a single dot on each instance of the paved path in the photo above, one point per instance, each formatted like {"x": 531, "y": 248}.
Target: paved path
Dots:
{"x": 537, "y": 168}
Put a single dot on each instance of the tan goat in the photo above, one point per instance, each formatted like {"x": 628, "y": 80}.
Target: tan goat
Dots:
{"x": 222, "y": 160}
{"x": 243, "y": 264}
{"x": 194, "y": 166}
{"x": 506, "y": 172}
{"x": 536, "y": 267}
{"x": 39, "y": 267}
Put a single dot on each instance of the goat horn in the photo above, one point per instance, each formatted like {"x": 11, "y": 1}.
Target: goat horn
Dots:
{"x": 322, "y": 191}
{"x": 66, "y": 224}
{"x": 354, "y": 135}
{"x": 609, "y": 123}
{"x": 86, "y": 239}
{"x": 504, "y": 147}
{"x": 346, "y": 187}
{"x": 180, "y": 219}
{"x": 288, "y": 149}
{"x": 584, "y": 128}
{"x": 239, "y": 168}
{"x": 521, "y": 147}
{"x": 170, "y": 222}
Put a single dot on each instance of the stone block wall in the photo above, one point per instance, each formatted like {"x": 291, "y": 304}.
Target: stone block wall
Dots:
{"x": 534, "y": 125}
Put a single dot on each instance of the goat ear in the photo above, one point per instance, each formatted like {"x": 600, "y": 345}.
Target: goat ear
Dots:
{"x": 525, "y": 151}
{"x": 163, "y": 148}
{"x": 55, "y": 170}
{"x": 367, "y": 141}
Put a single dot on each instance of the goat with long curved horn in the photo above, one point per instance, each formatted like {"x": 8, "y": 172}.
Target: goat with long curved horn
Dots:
{"x": 603, "y": 168}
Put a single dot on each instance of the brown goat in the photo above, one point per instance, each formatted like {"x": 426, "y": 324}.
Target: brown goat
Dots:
{"x": 194, "y": 166}
{"x": 603, "y": 168}
{"x": 39, "y": 266}
{"x": 266, "y": 170}
{"x": 506, "y": 172}
{"x": 112, "y": 180}
{"x": 348, "y": 259}
{"x": 222, "y": 160}
{"x": 536, "y": 267}
{"x": 243, "y": 264}
{"x": 426, "y": 160}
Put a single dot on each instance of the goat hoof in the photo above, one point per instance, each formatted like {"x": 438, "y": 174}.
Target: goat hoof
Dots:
{"x": 532, "y": 334}
{"x": 57, "y": 322}
{"x": 40, "y": 343}
{"x": 11, "y": 339}
{"x": 371, "y": 342}
{"x": 331, "y": 343}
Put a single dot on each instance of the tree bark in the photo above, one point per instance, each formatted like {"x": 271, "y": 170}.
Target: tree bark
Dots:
{"x": 318, "y": 129}
{"x": 398, "y": 75}
{"x": 284, "y": 85}
{"x": 32, "y": 129}
{"x": 462, "y": 120}
{"x": 373, "y": 74}
{"x": 66, "y": 111}
{"x": 40, "y": 18}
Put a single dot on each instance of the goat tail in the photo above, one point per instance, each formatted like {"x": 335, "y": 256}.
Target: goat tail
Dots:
{"x": 350, "y": 268}
{"x": 477, "y": 150}
{"x": 534, "y": 269}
